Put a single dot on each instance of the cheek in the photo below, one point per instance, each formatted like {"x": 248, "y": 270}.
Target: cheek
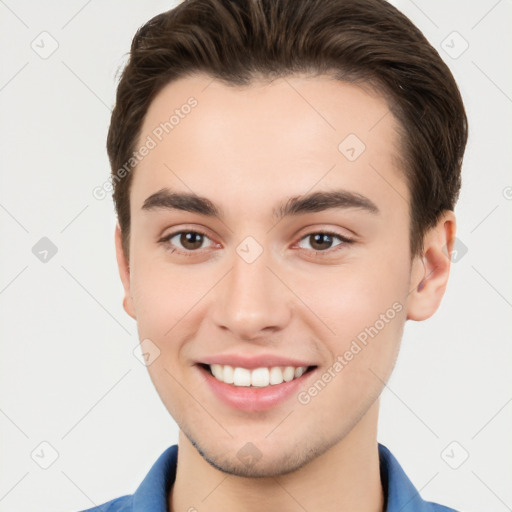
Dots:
{"x": 165, "y": 295}
{"x": 363, "y": 307}
{"x": 350, "y": 298}
{"x": 368, "y": 326}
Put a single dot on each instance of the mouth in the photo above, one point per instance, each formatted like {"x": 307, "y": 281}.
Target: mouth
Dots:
{"x": 263, "y": 377}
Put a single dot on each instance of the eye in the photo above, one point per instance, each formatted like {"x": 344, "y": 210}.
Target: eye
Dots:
{"x": 322, "y": 241}
{"x": 186, "y": 241}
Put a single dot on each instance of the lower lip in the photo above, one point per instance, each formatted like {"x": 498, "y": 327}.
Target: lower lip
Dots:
{"x": 252, "y": 399}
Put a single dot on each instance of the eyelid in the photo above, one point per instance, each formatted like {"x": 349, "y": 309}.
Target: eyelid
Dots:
{"x": 185, "y": 228}
{"x": 166, "y": 240}
{"x": 345, "y": 240}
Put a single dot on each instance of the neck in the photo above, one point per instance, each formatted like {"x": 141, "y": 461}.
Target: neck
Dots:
{"x": 345, "y": 478}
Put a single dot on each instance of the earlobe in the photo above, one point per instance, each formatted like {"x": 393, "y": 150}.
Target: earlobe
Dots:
{"x": 124, "y": 273}
{"x": 431, "y": 270}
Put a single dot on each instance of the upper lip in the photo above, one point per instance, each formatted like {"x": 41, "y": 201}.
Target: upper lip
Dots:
{"x": 251, "y": 362}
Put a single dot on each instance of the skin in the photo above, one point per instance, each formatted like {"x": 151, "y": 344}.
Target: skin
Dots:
{"x": 248, "y": 150}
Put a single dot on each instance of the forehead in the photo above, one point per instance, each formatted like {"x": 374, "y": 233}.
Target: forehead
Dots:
{"x": 289, "y": 134}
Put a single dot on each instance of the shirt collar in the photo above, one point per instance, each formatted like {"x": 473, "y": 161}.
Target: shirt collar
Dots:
{"x": 400, "y": 494}
{"x": 399, "y": 491}
{"x": 151, "y": 495}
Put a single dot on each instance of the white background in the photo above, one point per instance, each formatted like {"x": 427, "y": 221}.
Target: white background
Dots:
{"x": 68, "y": 375}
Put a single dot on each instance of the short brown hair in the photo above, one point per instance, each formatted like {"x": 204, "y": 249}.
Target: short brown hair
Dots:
{"x": 361, "y": 41}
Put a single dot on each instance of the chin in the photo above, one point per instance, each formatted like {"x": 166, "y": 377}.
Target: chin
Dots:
{"x": 251, "y": 462}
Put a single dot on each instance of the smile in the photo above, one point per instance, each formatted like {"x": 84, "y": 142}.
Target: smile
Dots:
{"x": 257, "y": 377}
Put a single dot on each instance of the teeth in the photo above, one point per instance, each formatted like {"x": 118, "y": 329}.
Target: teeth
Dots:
{"x": 242, "y": 377}
{"x": 276, "y": 375}
{"x": 299, "y": 371}
{"x": 259, "y": 377}
{"x": 228, "y": 374}
{"x": 218, "y": 371}
{"x": 289, "y": 373}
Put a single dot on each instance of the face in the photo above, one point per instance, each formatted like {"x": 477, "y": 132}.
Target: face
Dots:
{"x": 269, "y": 229}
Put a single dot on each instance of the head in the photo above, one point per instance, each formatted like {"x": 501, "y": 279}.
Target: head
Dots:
{"x": 284, "y": 175}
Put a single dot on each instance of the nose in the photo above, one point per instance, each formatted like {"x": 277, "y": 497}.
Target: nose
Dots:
{"x": 251, "y": 301}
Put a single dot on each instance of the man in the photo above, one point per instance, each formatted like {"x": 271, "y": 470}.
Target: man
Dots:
{"x": 285, "y": 174}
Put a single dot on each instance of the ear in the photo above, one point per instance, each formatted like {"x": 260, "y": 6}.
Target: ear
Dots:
{"x": 124, "y": 272}
{"x": 430, "y": 270}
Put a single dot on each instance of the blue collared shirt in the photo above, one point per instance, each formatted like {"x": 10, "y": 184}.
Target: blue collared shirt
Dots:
{"x": 151, "y": 495}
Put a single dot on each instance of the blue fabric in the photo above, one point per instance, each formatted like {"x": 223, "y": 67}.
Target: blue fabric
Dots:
{"x": 151, "y": 495}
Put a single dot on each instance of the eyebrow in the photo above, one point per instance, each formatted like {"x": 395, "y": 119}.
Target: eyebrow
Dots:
{"x": 167, "y": 199}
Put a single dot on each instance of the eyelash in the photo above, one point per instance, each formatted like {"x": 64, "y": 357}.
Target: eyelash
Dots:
{"x": 166, "y": 239}
{"x": 344, "y": 241}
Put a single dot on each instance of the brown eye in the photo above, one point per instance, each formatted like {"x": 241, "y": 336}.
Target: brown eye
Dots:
{"x": 191, "y": 240}
{"x": 186, "y": 241}
{"x": 322, "y": 241}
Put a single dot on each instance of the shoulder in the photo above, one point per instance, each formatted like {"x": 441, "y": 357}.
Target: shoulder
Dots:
{"x": 401, "y": 494}
{"x": 153, "y": 490}
{"x": 121, "y": 504}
